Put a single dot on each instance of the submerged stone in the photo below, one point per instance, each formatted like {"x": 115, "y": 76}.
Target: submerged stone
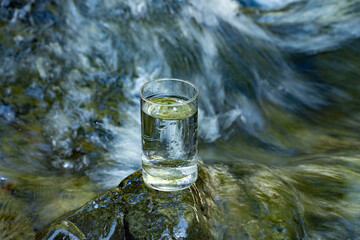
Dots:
{"x": 14, "y": 223}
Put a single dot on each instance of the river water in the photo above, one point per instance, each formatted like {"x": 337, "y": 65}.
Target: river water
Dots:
{"x": 279, "y": 106}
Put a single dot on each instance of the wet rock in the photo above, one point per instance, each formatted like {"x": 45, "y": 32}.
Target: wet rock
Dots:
{"x": 217, "y": 206}
{"x": 133, "y": 211}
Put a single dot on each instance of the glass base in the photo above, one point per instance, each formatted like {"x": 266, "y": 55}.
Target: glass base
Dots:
{"x": 169, "y": 185}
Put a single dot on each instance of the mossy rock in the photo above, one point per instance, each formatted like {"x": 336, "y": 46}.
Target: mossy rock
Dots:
{"x": 256, "y": 204}
{"x": 133, "y": 211}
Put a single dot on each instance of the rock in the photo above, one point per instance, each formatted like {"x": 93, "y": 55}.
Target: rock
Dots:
{"x": 244, "y": 202}
{"x": 133, "y": 211}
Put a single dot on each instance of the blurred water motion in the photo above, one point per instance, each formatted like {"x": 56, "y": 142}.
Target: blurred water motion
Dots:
{"x": 279, "y": 103}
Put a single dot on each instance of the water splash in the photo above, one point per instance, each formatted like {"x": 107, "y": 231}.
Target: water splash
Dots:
{"x": 313, "y": 26}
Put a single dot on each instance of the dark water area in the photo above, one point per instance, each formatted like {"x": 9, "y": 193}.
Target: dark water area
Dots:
{"x": 279, "y": 107}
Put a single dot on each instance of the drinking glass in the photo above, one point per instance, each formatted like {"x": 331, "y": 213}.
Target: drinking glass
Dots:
{"x": 169, "y": 110}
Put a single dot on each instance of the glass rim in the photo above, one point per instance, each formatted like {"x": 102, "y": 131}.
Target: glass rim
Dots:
{"x": 169, "y": 79}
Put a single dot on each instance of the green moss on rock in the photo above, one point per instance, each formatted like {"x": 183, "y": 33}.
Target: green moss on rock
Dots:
{"x": 132, "y": 211}
{"x": 219, "y": 205}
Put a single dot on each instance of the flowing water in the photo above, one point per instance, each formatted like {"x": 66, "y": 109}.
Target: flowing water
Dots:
{"x": 279, "y": 107}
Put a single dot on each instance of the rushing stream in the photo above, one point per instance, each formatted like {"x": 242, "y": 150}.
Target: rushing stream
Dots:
{"x": 279, "y": 106}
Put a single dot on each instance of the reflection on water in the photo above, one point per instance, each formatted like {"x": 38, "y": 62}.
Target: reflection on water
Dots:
{"x": 279, "y": 113}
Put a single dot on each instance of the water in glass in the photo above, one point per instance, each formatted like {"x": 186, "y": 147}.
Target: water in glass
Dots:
{"x": 169, "y": 140}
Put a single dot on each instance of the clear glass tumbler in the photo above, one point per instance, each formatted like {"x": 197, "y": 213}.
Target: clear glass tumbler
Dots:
{"x": 169, "y": 110}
